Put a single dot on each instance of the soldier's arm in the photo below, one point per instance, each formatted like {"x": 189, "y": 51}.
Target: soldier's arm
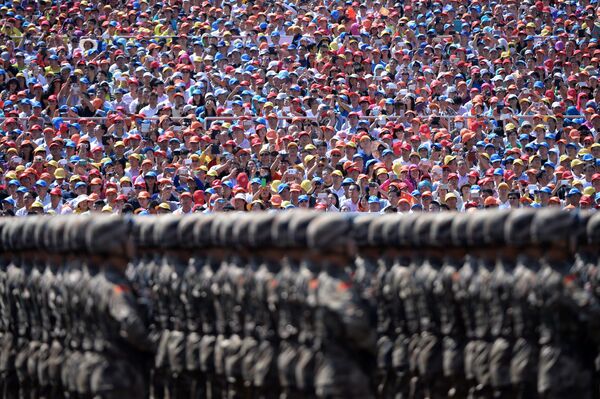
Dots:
{"x": 123, "y": 310}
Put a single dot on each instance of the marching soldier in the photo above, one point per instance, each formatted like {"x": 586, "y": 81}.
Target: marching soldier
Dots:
{"x": 345, "y": 335}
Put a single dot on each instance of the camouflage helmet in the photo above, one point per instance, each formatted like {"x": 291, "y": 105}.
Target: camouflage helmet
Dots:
{"x": 329, "y": 231}
{"x": 553, "y": 225}
{"x": 440, "y": 233}
{"x": 517, "y": 227}
{"x": 108, "y": 235}
{"x": 165, "y": 231}
{"x": 298, "y": 227}
{"x": 260, "y": 230}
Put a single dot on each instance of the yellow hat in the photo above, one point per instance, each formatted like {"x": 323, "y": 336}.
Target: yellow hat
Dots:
{"x": 448, "y": 196}
{"x": 107, "y": 209}
{"x": 74, "y": 178}
{"x": 119, "y": 144}
{"x": 564, "y": 158}
{"x": 212, "y": 173}
{"x": 503, "y": 185}
{"x": 60, "y": 173}
{"x": 518, "y": 161}
{"x": 576, "y": 162}
{"x": 309, "y": 147}
{"x": 125, "y": 179}
{"x": 589, "y": 190}
{"x": 274, "y": 185}
{"x": 306, "y": 185}
{"x": 11, "y": 175}
{"x": 337, "y": 173}
{"x": 165, "y": 206}
{"x": 577, "y": 183}
{"x": 308, "y": 158}
{"x": 448, "y": 159}
{"x": 381, "y": 171}
{"x": 37, "y": 204}
{"x": 52, "y": 162}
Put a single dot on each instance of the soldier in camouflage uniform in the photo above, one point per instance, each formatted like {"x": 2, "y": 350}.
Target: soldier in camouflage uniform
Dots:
{"x": 430, "y": 357}
{"x": 209, "y": 265}
{"x": 345, "y": 335}
{"x": 483, "y": 257}
{"x": 451, "y": 322}
{"x": 171, "y": 278}
{"x": 501, "y": 330}
{"x": 306, "y": 284}
{"x": 122, "y": 341}
{"x": 524, "y": 315}
{"x": 372, "y": 268}
{"x": 562, "y": 303}
{"x": 192, "y": 302}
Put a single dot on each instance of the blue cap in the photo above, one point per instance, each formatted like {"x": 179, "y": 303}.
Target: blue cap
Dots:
{"x": 347, "y": 181}
{"x": 303, "y": 198}
{"x": 546, "y": 190}
{"x": 498, "y": 172}
{"x": 9, "y": 200}
{"x": 14, "y": 182}
{"x": 41, "y": 183}
{"x": 373, "y": 200}
{"x": 495, "y": 158}
{"x": 22, "y": 189}
{"x": 80, "y": 184}
{"x": 416, "y": 193}
{"x": 255, "y": 180}
{"x": 282, "y": 187}
{"x": 573, "y": 191}
{"x": 550, "y": 164}
{"x": 369, "y": 162}
{"x": 150, "y": 174}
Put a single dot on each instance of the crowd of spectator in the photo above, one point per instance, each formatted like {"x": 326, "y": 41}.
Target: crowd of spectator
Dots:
{"x": 180, "y": 106}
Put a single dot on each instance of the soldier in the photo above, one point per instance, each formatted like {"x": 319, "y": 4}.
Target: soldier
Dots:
{"x": 171, "y": 278}
{"x": 373, "y": 266}
{"x": 345, "y": 335}
{"x": 451, "y": 323}
{"x": 208, "y": 309}
{"x": 8, "y": 340}
{"x": 263, "y": 300}
{"x": 395, "y": 292}
{"x": 228, "y": 323}
{"x": 430, "y": 359}
{"x": 291, "y": 253}
{"x": 562, "y": 304}
{"x": 588, "y": 256}
{"x": 465, "y": 301}
{"x": 142, "y": 272}
{"x": 480, "y": 294}
{"x": 524, "y": 315}
{"x": 17, "y": 275}
{"x": 52, "y": 290}
{"x": 502, "y": 279}
{"x": 406, "y": 264}
{"x": 123, "y": 333}
{"x": 192, "y": 302}
{"x": 306, "y": 283}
